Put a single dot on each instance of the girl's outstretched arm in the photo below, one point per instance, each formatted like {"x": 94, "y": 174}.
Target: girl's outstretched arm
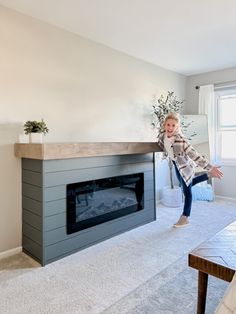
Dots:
{"x": 215, "y": 172}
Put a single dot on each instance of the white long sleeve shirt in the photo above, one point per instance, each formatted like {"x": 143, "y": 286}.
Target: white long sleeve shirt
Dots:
{"x": 168, "y": 144}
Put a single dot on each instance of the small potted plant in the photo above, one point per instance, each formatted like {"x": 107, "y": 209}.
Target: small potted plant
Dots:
{"x": 36, "y": 130}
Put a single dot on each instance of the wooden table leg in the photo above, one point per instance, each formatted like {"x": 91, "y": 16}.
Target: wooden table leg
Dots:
{"x": 202, "y": 292}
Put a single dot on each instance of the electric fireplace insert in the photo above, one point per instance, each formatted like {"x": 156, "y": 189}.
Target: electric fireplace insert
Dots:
{"x": 94, "y": 202}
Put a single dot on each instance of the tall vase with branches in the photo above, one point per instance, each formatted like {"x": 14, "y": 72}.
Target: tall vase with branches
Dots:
{"x": 161, "y": 107}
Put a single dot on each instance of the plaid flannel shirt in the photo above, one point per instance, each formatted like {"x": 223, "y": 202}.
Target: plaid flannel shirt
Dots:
{"x": 185, "y": 156}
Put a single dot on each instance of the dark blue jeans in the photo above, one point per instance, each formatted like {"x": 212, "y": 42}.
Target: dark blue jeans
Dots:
{"x": 187, "y": 190}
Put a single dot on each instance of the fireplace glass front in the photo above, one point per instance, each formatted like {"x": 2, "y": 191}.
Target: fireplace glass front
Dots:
{"x": 94, "y": 202}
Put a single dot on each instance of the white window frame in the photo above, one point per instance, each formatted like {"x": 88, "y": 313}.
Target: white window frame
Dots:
{"x": 223, "y": 92}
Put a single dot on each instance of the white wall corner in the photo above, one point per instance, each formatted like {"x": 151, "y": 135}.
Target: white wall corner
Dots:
{"x": 11, "y": 252}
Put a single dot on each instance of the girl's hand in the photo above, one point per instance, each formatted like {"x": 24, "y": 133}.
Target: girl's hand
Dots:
{"x": 215, "y": 172}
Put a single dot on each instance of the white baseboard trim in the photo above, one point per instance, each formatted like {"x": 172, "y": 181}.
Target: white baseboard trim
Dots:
{"x": 233, "y": 199}
{"x": 11, "y": 252}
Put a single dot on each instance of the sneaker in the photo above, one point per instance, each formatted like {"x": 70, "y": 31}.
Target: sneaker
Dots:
{"x": 182, "y": 222}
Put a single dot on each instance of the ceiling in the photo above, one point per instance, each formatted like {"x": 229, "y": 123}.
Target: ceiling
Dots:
{"x": 186, "y": 36}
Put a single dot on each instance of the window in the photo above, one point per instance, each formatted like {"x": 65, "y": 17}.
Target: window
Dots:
{"x": 226, "y": 126}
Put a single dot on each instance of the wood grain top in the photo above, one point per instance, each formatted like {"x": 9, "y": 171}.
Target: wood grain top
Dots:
{"x": 217, "y": 256}
{"x": 47, "y": 151}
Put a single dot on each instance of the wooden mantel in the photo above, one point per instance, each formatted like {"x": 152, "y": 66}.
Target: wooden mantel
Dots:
{"x": 47, "y": 151}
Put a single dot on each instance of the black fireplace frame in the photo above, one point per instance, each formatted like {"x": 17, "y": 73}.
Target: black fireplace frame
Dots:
{"x": 132, "y": 182}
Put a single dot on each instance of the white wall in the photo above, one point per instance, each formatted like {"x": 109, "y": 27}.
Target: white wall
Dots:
{"x": 83, "y": 90}
{"x": 214, "y": 77}
{"x": 226, "y": 186}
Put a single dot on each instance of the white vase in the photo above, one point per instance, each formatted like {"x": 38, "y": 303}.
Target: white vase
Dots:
{"x": 172, "y": 197}
{"x": 36, "y": 137}
{"x": 23, "y": 138}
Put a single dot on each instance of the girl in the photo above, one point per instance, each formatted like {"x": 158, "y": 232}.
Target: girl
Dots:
{"x": 184, "y": 158}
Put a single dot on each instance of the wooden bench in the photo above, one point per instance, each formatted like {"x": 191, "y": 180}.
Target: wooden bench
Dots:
{"x": 215, "y": 257}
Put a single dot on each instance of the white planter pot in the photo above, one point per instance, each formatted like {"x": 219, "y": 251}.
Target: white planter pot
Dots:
{"x": 172, "y": 197}
{"x": 36, "y": 137}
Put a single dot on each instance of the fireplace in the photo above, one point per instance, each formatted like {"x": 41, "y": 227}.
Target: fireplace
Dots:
{"x": 94, "y": 202}
{"x": 73, "y": 201}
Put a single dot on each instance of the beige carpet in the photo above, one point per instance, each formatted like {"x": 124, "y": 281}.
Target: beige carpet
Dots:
{"x": 173, "y": 290}
{"x": 141, "y": 271}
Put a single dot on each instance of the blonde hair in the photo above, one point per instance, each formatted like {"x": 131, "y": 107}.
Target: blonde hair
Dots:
{"x": 172, "y": 115}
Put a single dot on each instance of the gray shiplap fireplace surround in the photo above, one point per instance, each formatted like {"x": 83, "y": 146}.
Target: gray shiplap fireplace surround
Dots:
{"x": 48, "y": 168}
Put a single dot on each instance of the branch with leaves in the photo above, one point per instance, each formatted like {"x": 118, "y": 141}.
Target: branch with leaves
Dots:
{"x": 162, "y": 106}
